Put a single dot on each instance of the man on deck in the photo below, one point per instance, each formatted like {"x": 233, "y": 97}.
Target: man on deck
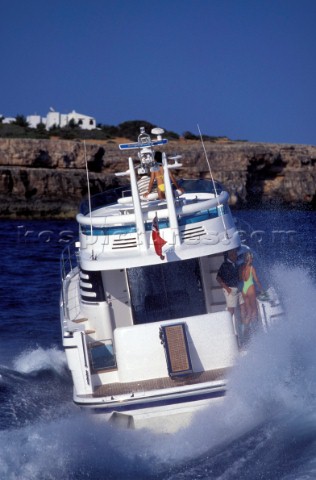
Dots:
{"x": 228, "y": 278}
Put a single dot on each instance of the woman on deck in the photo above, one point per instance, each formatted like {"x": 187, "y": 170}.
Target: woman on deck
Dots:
{"x": 249, "y": 278}
{"x": 158, "y": 175}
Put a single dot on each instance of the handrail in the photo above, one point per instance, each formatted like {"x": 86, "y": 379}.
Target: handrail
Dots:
{"x": 206, "y": 205}
{"x": 68, "y": 261}
{"x": 129, "y": 218}
{"x": 68, "y": 258}
{"x": 110, "y": 197}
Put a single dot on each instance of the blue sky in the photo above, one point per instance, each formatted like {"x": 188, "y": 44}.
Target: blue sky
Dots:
{"x": 241, "y": 68}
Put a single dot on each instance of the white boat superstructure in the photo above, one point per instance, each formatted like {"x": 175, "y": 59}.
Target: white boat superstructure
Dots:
{"x": 145, "y": 329}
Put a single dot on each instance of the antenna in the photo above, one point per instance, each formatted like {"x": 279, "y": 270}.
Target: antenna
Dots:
{"x": 214, "y": 184}
{"x": 88, "y": 183}
{"x": 208, "y": 163}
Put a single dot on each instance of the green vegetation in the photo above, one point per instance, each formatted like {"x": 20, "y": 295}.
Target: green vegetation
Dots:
{"x": 191, "y": 136}
{"x": 21, "y": 121}
{"x": 129, "y": 130}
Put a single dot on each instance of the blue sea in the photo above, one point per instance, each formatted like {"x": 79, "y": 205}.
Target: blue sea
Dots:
{"x": 265, "y": 428}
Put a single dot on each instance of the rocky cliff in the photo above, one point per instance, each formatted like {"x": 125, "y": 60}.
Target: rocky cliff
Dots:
{"x": 47, "y": 178}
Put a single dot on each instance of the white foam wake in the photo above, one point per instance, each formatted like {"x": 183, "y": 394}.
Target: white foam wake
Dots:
{"x": 33, "y": 361}
{"x": 276, "y": 376}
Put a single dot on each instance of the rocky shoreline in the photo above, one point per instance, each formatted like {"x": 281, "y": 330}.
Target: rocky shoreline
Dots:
{"x": 47, "y": 178}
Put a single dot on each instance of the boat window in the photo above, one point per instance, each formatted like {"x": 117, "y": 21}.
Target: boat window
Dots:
{"x": 102, "y": 355}
{"x": 168, "y": 291}
{"x": 109, "y": 197}
{"x": 200, "y": 185}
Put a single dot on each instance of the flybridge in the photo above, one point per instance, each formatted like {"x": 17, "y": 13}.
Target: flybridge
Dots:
{"x": 154, "y": 143}
{"x": 145, "y": 141}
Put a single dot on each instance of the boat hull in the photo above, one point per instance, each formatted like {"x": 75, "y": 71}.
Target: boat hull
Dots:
{"x": 160, "y": 415}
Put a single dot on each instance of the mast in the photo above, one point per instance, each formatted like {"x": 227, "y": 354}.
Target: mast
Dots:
{"x": 137, "y": 208}
{"x": 173, "y": 220}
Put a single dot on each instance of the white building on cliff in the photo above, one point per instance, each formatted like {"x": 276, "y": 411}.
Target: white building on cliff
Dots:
{"x": 58, "y": 119}
{"x": 61, "y": 120}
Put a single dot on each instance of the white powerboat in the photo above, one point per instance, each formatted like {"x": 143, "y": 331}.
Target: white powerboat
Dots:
{"x": 145, "y": 329}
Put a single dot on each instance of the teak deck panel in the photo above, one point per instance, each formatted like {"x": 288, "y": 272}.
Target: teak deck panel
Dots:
{"x": 113, "y": 389}
{"x": 176, "y": 348}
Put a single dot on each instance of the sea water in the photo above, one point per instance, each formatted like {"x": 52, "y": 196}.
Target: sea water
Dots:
{"x": 264, "y": 429}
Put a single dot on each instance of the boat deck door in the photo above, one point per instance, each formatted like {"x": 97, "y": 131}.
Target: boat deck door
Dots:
{"x": 167, "y": 291}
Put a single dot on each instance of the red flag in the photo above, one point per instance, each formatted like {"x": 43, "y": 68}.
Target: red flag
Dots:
{"x": 158, "y": 241}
